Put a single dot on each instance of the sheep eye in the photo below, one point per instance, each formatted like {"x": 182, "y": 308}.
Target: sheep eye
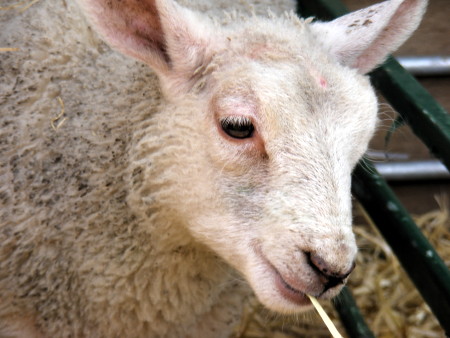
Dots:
{"x": 237, "y": 127}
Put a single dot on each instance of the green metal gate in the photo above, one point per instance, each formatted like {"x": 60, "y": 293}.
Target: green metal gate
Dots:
{"x": 431, "y": 123}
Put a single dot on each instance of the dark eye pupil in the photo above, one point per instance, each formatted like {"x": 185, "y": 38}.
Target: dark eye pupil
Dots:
{"x": 237, "y": 127}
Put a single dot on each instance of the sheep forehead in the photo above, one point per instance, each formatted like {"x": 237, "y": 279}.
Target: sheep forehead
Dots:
{"x": 283, "y": 42}
{"x": 275, "y": 38}
{"x": 290, "y": 96}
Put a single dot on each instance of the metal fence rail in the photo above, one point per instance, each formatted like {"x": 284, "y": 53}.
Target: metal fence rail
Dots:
{"x": 431, "y": 123}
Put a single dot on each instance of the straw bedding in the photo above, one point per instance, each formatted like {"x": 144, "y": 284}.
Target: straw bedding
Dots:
{"x": 389, "y": 302}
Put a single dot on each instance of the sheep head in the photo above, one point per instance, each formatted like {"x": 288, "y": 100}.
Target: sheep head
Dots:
{"x": 263, "y": 122}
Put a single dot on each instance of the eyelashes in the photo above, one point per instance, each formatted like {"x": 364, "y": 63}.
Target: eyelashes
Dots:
{"x": 238, "y": 127}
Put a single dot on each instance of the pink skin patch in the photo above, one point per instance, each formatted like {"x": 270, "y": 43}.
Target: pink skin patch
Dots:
{"x": 257, "y": 51}
{"x": 318, "y": 77}
{"x": 323, "y": 83}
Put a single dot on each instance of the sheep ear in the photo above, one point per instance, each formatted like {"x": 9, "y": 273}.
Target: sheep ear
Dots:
{"x": 364, "y": 38}
{"x": 169, "y": 38}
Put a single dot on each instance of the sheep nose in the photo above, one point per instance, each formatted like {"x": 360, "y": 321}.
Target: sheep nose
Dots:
{"x": 329, "y": 277}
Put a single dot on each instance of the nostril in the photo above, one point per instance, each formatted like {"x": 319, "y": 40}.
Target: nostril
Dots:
{"x": 328, "y": 274}
{"x": 322, "y": 266}
{"x": 332, "y": 282}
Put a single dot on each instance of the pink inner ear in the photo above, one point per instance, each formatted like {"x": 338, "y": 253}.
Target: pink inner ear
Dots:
{"x": 133, "y": 27}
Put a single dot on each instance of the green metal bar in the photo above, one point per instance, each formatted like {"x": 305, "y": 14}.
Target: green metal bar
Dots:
{"x": 429, "y": 121}
{"x": 350, "y": 315}
{"x": 427, "y": 118}
{"x": 321, "y": 9}
{"x": 423, "y": 265}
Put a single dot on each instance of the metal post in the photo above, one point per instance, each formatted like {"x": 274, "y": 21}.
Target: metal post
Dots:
{"x": 426, "y": 65}
{"x": 350, "y": 316}
{"x": 417, "y": 256}
{"x": 412, "y": 170}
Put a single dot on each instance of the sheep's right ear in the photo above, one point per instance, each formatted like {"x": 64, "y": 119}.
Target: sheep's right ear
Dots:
{"x": 364, "y": 38}
{"x": 169, "y": 38}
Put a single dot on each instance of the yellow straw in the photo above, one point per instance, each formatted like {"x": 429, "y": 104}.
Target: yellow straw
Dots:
{"x": 334, "y": 332}
{"x": 8, "y": 49}
{"x": 58, "y": 118}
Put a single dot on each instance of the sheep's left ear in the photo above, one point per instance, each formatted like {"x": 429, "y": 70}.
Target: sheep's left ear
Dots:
{"x": 364, "y": 38}
{"x": 172, "y": 40}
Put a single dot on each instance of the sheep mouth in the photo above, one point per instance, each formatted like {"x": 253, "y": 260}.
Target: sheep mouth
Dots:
{"x": 287, "y": 291}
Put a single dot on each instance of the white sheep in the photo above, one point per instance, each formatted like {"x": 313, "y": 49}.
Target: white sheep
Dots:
{"x": 133, "y": 201}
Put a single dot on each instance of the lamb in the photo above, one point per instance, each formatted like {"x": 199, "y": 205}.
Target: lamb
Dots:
{"x": 136, "y": 200}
